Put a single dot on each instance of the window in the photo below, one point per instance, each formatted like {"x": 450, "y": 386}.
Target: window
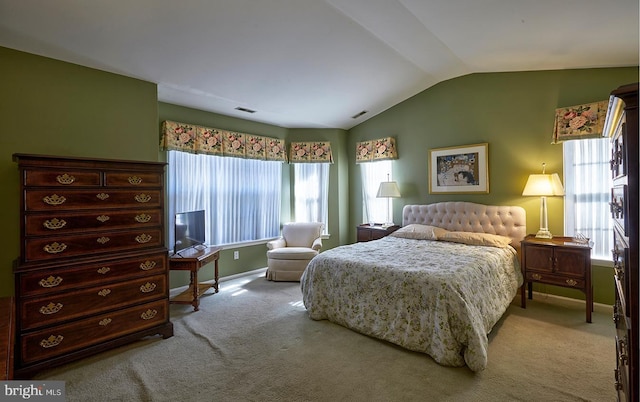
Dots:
{"x": 311, "y": 193}
{"x": 241, "y": 197}
{"x": 587, "y": 181}
{"x": 373, "y": 173}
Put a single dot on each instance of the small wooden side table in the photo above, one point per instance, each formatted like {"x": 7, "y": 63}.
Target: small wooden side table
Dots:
{"x": 192, "y": 260}
{"x": 559, "y": 261}
{"x": 367, "y": 232}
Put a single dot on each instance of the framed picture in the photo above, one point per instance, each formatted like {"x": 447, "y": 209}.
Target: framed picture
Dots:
{"x": 459, "y": 170}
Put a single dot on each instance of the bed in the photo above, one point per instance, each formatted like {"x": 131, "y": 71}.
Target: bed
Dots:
{"x": 437, "y": 285}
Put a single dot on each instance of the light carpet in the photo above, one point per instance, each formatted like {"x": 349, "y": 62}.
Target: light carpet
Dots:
{"x": 253, "y": 341}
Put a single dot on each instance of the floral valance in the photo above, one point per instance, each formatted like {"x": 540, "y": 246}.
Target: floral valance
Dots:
{"x": 376, "y": 150}
{"x": 212, "y": 141}
{"x": 310, "y": 152}
{"x": 580, "y": 122}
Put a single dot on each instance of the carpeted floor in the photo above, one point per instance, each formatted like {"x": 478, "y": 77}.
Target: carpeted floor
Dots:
{"x": 253, "y": 341}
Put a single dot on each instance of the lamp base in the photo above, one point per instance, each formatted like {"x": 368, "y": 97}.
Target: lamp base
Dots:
{"x": 544, "y": 234}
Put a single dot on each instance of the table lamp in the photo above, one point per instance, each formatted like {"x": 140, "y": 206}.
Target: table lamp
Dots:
{"x": 388, "y": 189}
{"x": 543, "y": 186}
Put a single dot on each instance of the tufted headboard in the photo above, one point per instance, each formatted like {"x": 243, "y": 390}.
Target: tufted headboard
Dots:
{"x": 507, "y": 221}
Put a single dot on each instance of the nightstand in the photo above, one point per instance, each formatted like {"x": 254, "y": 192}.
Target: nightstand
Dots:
{"x": 559, "y": 261}
{"x": 367, "y": 232}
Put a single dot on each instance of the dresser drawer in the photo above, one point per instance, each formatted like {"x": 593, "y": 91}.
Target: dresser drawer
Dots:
{"x": 55, "y": 341}
{"x": 619, "y": 207}
{"x": 47, "y": 310}
{"x": 52, "y": 247}
{"x": 559, "y": 280}
{"x": 133, "y": 179}
{"x": 62, "y": 178}
{"x": 74, "y": 222}
{"x": 64, "y": 278}
{"x": 622, "y": 362}
{"x": 52, "y": 200}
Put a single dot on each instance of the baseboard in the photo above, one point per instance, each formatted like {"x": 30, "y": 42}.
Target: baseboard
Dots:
{"x": 242, "y": 274}
{"x": 599, "y": 307}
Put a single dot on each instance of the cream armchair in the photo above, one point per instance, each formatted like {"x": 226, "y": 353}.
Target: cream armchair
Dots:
{"x": 288, "y": 256}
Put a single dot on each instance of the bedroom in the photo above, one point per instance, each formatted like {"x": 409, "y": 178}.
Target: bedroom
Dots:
{"x": 101, "y": 126}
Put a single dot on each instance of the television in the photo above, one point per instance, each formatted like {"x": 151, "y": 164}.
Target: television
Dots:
{"x": 189, "y": 230}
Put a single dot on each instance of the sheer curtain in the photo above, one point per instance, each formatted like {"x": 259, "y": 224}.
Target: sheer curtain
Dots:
{"x": 241, "y": 197}
{"x": 587, "y": 181}
{"x": 373, "y": 173}
{"x": 311, "y": 193}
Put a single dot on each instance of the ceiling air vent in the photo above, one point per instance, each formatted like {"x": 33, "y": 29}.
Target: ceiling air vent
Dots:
{"x": 355, "y": 116}
{"x": 244, "y": 109}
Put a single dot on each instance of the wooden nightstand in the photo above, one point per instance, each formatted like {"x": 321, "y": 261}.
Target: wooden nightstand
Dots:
{"x": 367, "y": 232}
{"x": 559, "y": 261}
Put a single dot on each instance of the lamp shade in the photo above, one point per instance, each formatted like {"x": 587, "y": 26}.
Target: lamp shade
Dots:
{"x": 388, "y": 189}
{"x": 543, "y": 185}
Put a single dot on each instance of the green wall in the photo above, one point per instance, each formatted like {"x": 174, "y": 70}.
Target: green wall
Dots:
{"x": 514, "y": 114}
{"x": 56, "y": 108}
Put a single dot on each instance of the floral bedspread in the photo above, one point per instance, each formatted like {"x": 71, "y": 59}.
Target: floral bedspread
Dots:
{"x": 435, "y": 297}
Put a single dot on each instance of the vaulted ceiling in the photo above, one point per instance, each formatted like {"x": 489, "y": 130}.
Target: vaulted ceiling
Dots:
{"x": 318, "y": 63}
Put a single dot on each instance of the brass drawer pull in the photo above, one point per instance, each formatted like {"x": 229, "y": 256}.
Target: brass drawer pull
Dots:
{"x": 104, "y": 270}
{"x": 103, "y": 218}
{"x": 537, "y": 277}
{"x": 54, "y": 224}
{"x": 103, "y": 240}
{"x": 102, "y": 196}
{"x": 50, "y": 282}
{"x": 149, "y": 314}
{"x": 147, "y": 265}
{"x": 50, "y": 308}
{"x": 55, "y": 248}
{"x": 105, "y": 322}
{"x": 51, "y": 341}
{"x": 143, "y": 218}
{"x": 65, "y": 179}
{"x": 135, "y": 180}
{"x": 571, "y": 282}
{"x": 148, "y": 287}
{"x": 142, "y": 198}
{"x": 104, "y": 292}
{"x": 54, "y": 199}
{"x": 143, "y": 238}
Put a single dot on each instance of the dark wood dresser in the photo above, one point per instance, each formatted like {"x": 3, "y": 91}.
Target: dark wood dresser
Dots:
{"x": 93, "y": 269}
{"x": 621, "y": 126}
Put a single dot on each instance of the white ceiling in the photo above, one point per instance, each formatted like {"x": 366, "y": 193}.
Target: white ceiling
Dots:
{"x": 316, "y": 63}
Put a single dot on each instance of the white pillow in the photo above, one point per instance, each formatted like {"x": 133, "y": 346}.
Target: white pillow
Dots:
{"x": 419, "y": 232}
{"x": 477, "y": 239}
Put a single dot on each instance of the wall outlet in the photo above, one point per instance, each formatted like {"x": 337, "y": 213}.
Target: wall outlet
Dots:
{"x": 236, "y": 255}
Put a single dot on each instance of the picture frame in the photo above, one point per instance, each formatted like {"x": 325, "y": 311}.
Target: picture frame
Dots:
{"x": 459, "y": 170}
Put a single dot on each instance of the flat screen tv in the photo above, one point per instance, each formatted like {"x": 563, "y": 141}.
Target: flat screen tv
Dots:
{"x": 189, "y": 230}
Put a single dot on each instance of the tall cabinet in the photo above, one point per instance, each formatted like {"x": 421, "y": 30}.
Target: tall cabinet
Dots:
{"x": 621, "y": 125}
{"x": 93, "y": 271}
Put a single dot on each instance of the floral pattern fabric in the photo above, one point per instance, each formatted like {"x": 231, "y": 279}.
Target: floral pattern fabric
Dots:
{"x": 435, "y": 297}
{"x": 376, "y": 150}
{"x": 310, "y": 152}
{"x": 580, "y": 122}
{"x": 212, "y": 141}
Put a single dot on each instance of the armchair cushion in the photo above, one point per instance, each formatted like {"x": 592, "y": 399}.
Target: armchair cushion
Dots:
{"x": 292, "y": 253}
{"x": 301, "y": 234}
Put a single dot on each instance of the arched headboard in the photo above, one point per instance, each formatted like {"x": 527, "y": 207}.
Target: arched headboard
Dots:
{"x": 507, "y": 221}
